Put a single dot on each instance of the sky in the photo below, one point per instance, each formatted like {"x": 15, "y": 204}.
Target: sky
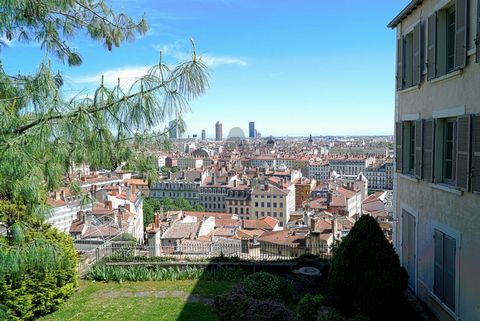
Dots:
{"x": 294, "y": 67}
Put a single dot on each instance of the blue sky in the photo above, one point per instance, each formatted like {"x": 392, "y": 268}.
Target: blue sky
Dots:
{"x": 294, "y": 67}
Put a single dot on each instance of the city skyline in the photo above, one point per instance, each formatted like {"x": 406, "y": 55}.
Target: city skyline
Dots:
{"x": 252, "y": 65}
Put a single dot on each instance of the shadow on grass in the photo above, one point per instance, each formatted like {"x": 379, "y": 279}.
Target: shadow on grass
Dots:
{"x": 224, "y": 278}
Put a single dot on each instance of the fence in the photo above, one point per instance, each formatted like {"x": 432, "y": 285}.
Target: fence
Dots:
{"x": 205, "y": 251}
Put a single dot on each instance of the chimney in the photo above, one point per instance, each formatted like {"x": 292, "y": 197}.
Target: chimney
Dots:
{"x": 334, "y": 228}
{"x": 156, "y": 219}
{"x": 234, "y": 183}
{"x": 128, "y": 193}
{"x": 62, "y": 194}
{"x": 329, "y": 198}
{"x": 56, "y": 195}
{"x": 266, "y": 187}
{"x": 312, "y": 224}
{"x": 80, "y": 216}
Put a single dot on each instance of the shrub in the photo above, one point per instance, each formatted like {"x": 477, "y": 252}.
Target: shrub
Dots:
{"x": 262, "y": 285}
{"x": 308, "y": 307}
{"x": 232, "y": 306}
{"x": 331, "y": 316}
{"x": 365, "y": 273}
{"x": 268, "y": 310}
{"x": 102, "y": 272}
{"x": 286, "y": 290}
{"x": 359, "y": 317}
{"x": 237, "y": 305}
{"x": 40, "y": 290}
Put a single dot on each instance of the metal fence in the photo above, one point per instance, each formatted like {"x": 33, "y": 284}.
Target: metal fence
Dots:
{"x": 202, "y": 251}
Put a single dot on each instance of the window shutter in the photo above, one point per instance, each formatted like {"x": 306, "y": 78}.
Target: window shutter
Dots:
{"x": 449, "y": 249}
{"x": 427, "y": 154}
{"x": 460, "y": 33}
{"x": 463, "y": 152}
{"x": 418, "y": 148}
{"x": 399, "y": 149}
{"x": 417, "y": 45}
{"x": 477, "y": 38}
{"x": 476, "y": 153}
{"x": 432, "y": 43}
{"x": 400, "y": 63}
{"x": 438, "y": 264}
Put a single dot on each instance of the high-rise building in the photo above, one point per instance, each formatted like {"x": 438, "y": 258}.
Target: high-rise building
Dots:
{"x": 218, "y": 131}
{"x": 203, "y": 134}
{"x": 436, "y": 184}
{"x": 251, "y": 129}
{"x": 173, "y": 129}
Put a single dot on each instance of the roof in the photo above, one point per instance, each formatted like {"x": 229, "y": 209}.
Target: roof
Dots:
{"x": 180, "y": 230}
{"x": 285, "y": 237}
{"x": 266, "y": 223}
{"x": 404, "y": 13}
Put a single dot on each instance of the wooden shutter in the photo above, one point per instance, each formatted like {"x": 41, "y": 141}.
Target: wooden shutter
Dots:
{"x": 460, "y": 34}
{"x": 463, "y": 152}
{"x": 449, "y": 262}
{"x": 476, "y": 153}
{"x": 477, "y": 38}
{"x": 417, "y": 61}
{"x": 400, "y": 77}
{"x": 428, "y": 130}
{"x": 432, "y": 43}
{"x": 418, "y": 148}
{"x": 438, "y": 264}
{"x": 399, "y": 149}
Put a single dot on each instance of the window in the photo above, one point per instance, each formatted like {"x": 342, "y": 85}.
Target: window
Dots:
{"x": 281, "y": 204}
{"x": 447, "y": 39}
{"x": 268, "y": 204}
{"x": 449, "y": 151}
{"x": 263, "y": 204}
{"x": 444, "y": 268}
{"x": 274, "y": 204}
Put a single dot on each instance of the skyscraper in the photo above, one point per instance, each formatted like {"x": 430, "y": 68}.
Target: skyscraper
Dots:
{"x": 218, "y": 131}
{"x": 172, "y": 129}
{"x": 203, "y": 134}
{"x": 251, "y": 129}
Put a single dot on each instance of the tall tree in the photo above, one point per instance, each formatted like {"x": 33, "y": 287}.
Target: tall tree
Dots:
{"x": 42, "y": 132}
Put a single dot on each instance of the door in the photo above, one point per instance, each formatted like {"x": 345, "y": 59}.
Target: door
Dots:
{"x": 409, "y": 249}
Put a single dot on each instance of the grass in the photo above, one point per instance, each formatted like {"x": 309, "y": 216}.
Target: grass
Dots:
{"x": 140, "y": 301}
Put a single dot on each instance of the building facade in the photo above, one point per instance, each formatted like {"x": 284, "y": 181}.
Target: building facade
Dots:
{"x": 437, "y": 167}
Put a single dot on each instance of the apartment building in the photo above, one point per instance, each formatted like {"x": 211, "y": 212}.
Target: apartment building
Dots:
{"x": 350, "y": 165}
{"x": 269, "y": 200}
{"x": 437, "y": 137}
{"x": 213, "y": 191}
{"x": 319, "y": 171}
{"x": 179, "y": 184}
{"x": 189, "y": 162}
{"x": 238, "y": 200}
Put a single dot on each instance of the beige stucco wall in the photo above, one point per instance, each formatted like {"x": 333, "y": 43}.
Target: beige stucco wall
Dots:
{"x": 435, "y": 207}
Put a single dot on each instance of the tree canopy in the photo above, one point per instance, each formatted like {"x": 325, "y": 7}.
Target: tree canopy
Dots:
{"x": 43, "y": 131}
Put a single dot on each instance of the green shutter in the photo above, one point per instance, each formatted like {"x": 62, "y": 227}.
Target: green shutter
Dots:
{"x": 400, "y": 77}
{"x": 461, "y": 16}
{"x": 428, "y": 131}
{"x": 432, "y": 43}
{"x": 417, "y": 57}
{"x": 418, "y": 148}
{"x": 399, "y": 149}
{"x": 477, "y": 38}
{"x": 463, "y": 152}
{"x": 449, "y": 262}
{"x": 476, "y": 153}
{"x": 438, "y": 264}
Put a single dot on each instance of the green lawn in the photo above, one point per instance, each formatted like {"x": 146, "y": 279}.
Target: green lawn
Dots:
{"x": 151, "y": 300}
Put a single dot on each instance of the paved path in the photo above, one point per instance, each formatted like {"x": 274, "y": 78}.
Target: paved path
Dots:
{"x": 192, "y": 298}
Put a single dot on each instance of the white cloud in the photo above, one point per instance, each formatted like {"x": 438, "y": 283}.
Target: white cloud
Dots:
{"x": 127, "y": 75}
{"x": 180, "y": 51}
{"x": 211, "y": 60}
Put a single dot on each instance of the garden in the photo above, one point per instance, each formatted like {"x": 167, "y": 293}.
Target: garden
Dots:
{"x": 363, "y": 281}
